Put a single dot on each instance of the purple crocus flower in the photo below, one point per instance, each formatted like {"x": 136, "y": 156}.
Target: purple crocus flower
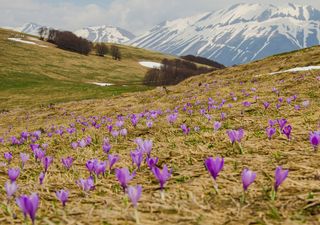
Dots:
{"x": 11, "y": 188}
{"x": 185, "y": 129}
{"x": 272, "y": 123}
{"x": 123, "y": 175}
{"x": 248, "y": 178}
{"x": 152, "y": 162}
{"x": 247, "y": 104}
{"x": 41, "y": 177}
{"x": 67, "y": 162}
{"x": 162, "y": 175}
{"x": 24, "y": 158}
{"x": 39, "y": 154}
{"x": 217, "y": 125}
{"x": 149, "y": 123}
{"x": 144, "y": 145}
{"x": 287, "y": 131}
{"x": 106, "y": 147}
{"x": 134, "y": 120}
{"x": 74, "y": 145}
{"x": 315, "y": 139}
{"x": 90, "y": 164}
{"x": 46, "y": 162}
{"x": 13, "y": 174}
{"x": 86, "y": 184}
{"x": 270, "y": 132}
{"x": 28, "y": 205}
{"x": 115, "y": 133}
{"x": 112, "y": 159}
{"x": 123, "y": 132}
{"x": 100, "y": 168}
{"x": 137, "y": 157}
{"x": 62, "y": 195}
{"x": 8, "y": 156}
{"x": 282, "y": 123}
{"x": 280, "y": 176}
{"x": 235, "y": 135}
{"x": 223, "y": 116}
{"x": 266, "y": 105}
{"x": 214, "y": 166}
{"x": 134, "y": 194}
{"x": 172, "y": 118}
{"x": 82, "y": 143}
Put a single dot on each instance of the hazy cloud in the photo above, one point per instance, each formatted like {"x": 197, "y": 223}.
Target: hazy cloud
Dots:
{"x": 134, "y": 15}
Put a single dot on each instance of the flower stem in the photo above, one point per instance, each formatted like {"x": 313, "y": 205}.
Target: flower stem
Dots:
{"x": 162, "y": 195}
{"x": 136, "y": 215}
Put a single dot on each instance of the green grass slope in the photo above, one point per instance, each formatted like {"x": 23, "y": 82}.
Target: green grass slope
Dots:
{"x": 31, "y": 75}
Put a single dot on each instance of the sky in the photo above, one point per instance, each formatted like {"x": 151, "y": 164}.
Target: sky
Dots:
{"x": 136, "y": 16}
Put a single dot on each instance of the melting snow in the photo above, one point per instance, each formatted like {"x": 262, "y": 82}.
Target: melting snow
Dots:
{"x": 153, "y": 65}
{"x": 102, "y": 84}
{"x": 298, "y": 69}
{"x": 25, "y": 42}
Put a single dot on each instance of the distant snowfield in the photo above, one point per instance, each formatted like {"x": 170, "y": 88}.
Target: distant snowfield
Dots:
{"x": 152, "y": 65}
{"x": 26, "y": 42}
{"x": 298, "y": 69}
{"x": 102, "y": 84}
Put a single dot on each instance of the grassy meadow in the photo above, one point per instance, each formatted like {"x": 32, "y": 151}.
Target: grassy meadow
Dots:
{"x": 31, "y": 75}
{"x": 189, "y": 194}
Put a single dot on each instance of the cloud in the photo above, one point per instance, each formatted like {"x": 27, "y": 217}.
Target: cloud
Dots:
{"x": 134, "y": 15}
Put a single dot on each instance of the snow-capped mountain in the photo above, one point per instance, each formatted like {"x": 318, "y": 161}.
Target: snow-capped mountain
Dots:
{"x": 29, "y": 28}
{"x": 236, "y": 35}
{"x": 105, "y": 34}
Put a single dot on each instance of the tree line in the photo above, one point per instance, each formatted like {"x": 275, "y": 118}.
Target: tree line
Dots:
{"x": 67, "y": 40}
{"x": 173, "y": 71}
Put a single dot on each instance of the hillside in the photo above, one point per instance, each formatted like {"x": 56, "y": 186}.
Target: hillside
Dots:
{"x": 190, "y": 196}
{"x": 238, "y": 34}
{"x": 44, "y": 74}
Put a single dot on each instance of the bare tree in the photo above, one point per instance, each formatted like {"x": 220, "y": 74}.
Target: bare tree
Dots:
{"x": 115, "y": 52}
{"x": 101, "y": 49}
{"x": 42, "y": 31}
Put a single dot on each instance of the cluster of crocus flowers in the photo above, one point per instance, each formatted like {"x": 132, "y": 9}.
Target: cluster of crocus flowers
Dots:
{"x": 236, "y": 136}
{"x": 185, "y": 129}
{"x": 67, "y": 162}
{"x": 86, "y": 184}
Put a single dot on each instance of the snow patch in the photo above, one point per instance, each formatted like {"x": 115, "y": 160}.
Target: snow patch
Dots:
{"x": 26, "y": 42}
{"x": 152, "y": 65}
{"x": 102, "y": 84}
{"x": 298, "y": 69}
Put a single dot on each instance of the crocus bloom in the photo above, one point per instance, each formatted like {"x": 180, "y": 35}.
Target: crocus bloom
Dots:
{"x": 123, "y": 175}
{"x": 280, "y": 176}
{"x": 217, "y": 125}
{"x": 112, "y": 159}
{"x": 137, "y": 157}
{"x": 266, "y": 105}
{"x": 29, "y": 205}
{"x": 106, "y": 147}
{"x": 149, "y": 123}
{"x": 11, "y": 188}
{"x": 13, "y": 174}
{"x": 39, "y": 154}
{"x": 62, "y": 195}
{"x": 74, "y": 145}
{"x": 287, "y": 131}
{"x": 24, "y": 158}
{"x": 123, "y": 132}
{"x": 115, "y": 133}
{"x": 86, "y": 184}
{"x": 185, "y": 129}
{"x": 46, "y": 162}
{"x": 134, "y": 194}
{"x": 214, "y": 166}
{"x": 41, "y": 177}
{"x": 100, "y": 168}
{"x": 247, "y": 104}
{"x": 144, "y": 145}
{"x": 67, "y": 162}
{"x": 282, "y": 123}
{"x": 152, "y": 162}
{"x": 315, "y": 139}
{"x": 235, "y": 135}
{"x": 270, "y": 132}
{"x": 172, "y": 118}
{"x": 90, "y": 164}
{"x": 248, "y": 178}
{"x": 162, "y": 176}
{"x": 8, "y": 156}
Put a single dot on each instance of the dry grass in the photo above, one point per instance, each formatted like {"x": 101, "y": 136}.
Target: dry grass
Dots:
{"x": 190, "y": 197}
